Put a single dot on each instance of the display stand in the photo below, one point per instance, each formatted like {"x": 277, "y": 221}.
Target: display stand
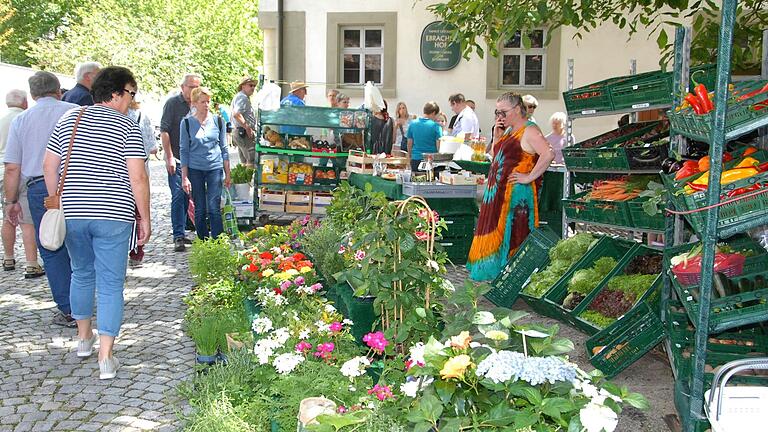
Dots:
{"x": 306, "y": 190}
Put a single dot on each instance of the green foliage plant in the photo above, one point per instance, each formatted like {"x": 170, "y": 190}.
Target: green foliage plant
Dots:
{"x": 321, "y": 242}
{"x": 562, "y": 256}
{"x": 212, "y": 260}
{"x": 350, "y": 205}
{"x": 241, "y": 174}
{"x": 206, "y": 331}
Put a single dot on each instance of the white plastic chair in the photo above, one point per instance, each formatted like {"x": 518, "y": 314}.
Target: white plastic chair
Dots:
{"x": 737, "y": 408}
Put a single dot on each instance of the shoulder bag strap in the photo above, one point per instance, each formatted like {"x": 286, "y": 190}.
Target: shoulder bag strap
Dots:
{"x": 60, "y": 189}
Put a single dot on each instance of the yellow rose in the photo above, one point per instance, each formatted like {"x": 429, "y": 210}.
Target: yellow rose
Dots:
{"x": 461, "y": 341}
{"x": 455, "y": 367}
{"x": 305, "y": 269}
{"x": 268, "y": 273}
{"x": 292, "y": 272}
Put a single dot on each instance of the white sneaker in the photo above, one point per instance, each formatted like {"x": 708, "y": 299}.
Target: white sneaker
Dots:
{"x": 108, "y": 368}
{"x": 85, "y": 347}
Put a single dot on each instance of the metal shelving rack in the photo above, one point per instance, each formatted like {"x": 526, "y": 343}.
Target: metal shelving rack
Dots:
{"x": 718, "y": 138}
{"x": 567, "y": 181}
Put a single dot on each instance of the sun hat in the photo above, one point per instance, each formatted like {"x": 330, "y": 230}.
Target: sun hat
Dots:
{"x": 245, "y": 81}
{"x": 297, "y": 85}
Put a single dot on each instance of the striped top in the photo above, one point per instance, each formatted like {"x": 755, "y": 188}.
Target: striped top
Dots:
{"x": 97, "y": 184}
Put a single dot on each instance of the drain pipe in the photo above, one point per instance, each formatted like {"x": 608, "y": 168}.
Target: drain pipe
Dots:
{"x": 280, "y": 40}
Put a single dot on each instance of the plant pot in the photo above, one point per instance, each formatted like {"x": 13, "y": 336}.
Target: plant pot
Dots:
{"x": 243, "y": 191}
{"x": 221, "y": 358}
{"x": 206, "y": 359}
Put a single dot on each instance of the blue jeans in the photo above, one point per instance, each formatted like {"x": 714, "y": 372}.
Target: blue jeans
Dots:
{"x": 99, "y": 252}
{"x": 206, "y": 194}
{"x": 57, "y": 268}
{"x": 179, "y": 204}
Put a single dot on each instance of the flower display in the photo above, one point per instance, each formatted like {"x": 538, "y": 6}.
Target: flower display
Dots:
{"x": 303, "y": 346}
{"x": 456, "y": 367}
{"x": 461, "y": 341}
{"x": 261, "y": 325}
{"x": 381, "y": 392}
{"x": 504, "y": 366}
{"x": 355, "y": 367}
{"x": 416, "y": 356}
{"x": 360, "y": 255}
{"x": 286, "y": 363}
{"x": 325, "y": 350}
{"x": 335, "y": 327}
{"x": 413, "y": 385}
{"x": 598, "y": 418}
{"x": 376, "y": 341}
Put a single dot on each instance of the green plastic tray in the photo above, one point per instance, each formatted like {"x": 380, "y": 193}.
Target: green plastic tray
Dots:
{"x": 626, "y": 341}
{"x": 653, "y": 90}
{"x": 600, "y": 211}
{"x": 605, "y": 247}
{"x": 640, "y": 219}
{"x": 583, "y": 155}
{"x": 752, "y": 264}
{"x": 532, "y": 256}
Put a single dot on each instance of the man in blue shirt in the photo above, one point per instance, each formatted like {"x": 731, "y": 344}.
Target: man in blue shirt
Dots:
{"x": 295, "y": 98}
{"x": 80, "y": 94}
{"x": 27, "y": 141}
{"x": 423, "y": 135}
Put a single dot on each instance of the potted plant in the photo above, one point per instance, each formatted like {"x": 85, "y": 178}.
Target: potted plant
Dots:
{"x": 241, "y": 181}
{"x": 205, "y": 332}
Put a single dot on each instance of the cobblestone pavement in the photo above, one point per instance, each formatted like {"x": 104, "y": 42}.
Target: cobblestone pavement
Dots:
{"x": 45, "y": 386}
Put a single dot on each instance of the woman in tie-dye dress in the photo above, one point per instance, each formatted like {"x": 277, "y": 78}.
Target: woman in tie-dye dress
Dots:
{"x": 509, "y": 210}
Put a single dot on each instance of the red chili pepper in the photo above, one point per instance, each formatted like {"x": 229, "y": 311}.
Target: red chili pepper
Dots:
{"x": 741, "y": 191}
{"x": 751, "y": 94}
{"x": 760, "y": 105}
{"x": 695, "y": 103}
{"x": 702, "y": 93}
{"x": 697, "y": 187}
{"x": 763, "y": 167}
{"x": 727, "y": 157}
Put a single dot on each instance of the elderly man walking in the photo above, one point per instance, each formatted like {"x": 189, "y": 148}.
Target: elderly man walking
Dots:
{"x": 80, "y": 94}
{"x": 24, "y": 153}
{"x": 17, "y": 103}
{"x": 244, "y": 122}
{"x": 175, "y": 109}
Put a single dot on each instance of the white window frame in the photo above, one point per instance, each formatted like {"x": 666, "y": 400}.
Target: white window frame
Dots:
{"x": 522, "y": 52}
{"x": 362, "y": 51}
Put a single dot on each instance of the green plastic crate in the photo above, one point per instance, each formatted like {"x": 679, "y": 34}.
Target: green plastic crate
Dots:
{"x": 640, "y": 219}
{"x": 457, "y": 249}
{"x": 582, "y": 154}
{"x": 252, "y": 308}
{"x": 531, "y": 256}
{"x": 605, "y": 247}
{"x": 655, "y": 89}
{"x": 589, "y": 99}
{"x": 600, "y": 211}
{"x": 754, "y": 263}
{"x": 626, "y": 341}
{"x": 459, "y": 227}
{"x": 358, "y": 309}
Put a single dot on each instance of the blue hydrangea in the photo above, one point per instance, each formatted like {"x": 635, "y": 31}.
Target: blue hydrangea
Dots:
{"x": 504, "y": 366}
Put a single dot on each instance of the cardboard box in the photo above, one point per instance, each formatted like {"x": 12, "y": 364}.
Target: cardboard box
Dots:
{"x": 298, "y": 202}
{"x": 320, "y": 201}
{"x": 243, "y": 209}
{"x": 272, "y": 200}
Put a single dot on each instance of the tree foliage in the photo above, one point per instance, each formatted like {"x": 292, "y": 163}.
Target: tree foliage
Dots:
{"x": 6, "y": 13}
{"x": 482, "y": 24}
{"x": 160, "y": 40}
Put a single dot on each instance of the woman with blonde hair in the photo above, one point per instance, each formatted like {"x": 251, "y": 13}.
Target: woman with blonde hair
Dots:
{"x": 402, "y": 120}
{"x": 204, "y": 162}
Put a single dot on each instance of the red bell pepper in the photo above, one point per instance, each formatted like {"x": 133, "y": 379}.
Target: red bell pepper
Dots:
{"x": 727, "y": 157}
{"x": 702, "y": 94}
{"x": 695, "y": 103}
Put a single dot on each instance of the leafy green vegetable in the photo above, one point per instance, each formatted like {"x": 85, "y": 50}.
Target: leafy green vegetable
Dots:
{"x": 563, "y": 255}
{"x": 571, "y": 249}
{"x": 632, "y": 285}
{"x": 596, "y": 318}
{"x": 586, "y": 280}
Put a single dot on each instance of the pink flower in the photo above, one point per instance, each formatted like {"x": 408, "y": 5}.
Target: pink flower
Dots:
{"x": 299, "y": 280}
{"x": 421, "y": 235}
{"x": 342, "y": 249}
{"x": 359, "y": 255}
{"x": 316, "y": 287}
{"x": 285, "y": 285}
{"x": 303, "y": 346}
{"x": 376, "y": 341}
{"x": 341, "y": 409}
{"x": 324, "y": 350}
{"x": 381, "y": 392}
{"x": 335, "y": 327}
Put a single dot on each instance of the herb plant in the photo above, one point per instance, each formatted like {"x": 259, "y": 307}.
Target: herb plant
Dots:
{"x": 212, "y": 260}
{"x": 241, "y": 174}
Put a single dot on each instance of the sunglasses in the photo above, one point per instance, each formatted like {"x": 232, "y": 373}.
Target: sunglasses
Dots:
{"x": 132, "y": 93}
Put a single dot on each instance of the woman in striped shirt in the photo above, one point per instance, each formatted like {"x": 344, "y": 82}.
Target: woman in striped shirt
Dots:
{"x": 105, "y": 182}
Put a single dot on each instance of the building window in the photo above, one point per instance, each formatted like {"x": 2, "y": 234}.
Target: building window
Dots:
{"x": 362, "y": 55}
{"x": 521, "y": 67}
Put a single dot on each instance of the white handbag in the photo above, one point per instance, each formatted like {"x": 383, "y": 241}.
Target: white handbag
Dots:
{"x": 53, "y": 226}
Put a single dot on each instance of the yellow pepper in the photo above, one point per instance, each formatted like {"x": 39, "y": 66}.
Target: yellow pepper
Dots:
{"x": 748, "y": 162}
{"x": 726, "y": 177}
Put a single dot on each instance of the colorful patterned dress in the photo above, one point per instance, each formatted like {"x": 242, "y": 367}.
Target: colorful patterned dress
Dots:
{"x": 508, "y": 212}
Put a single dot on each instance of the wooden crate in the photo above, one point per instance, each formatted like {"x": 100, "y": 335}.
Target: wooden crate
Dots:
{"x": 359, "y": 162}
{"x": 270, "y": 200}
{"x": 298, "y": 202}
{"x": 320, "y": 201}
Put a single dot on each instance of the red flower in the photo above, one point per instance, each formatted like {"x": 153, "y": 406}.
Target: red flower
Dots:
{"x": 298, "y": 256}
{"x": 266, "y": 255}
{"x": 278, "y": 290}
{"x": 252, "y": 268}
{"x": 421, "y": 235}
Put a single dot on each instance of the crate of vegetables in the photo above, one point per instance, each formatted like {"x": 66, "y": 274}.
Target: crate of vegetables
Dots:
{"x": 622, "y": 343}
{"x": 325, "y": 176}
{"x": 562, "y": 256}
{"x": 643, "y": 149}
{"x": 747, "y": 103}
{"x": 589, "y": 99}
{"x": 607, "y": 202}
{"x": 636, "y": 279}
{"x": 654, "y": 88}
{"x": 530, "y": 257}
{"x": 580, "y": 282}
{"x": 685, "y": 259}
{"x": 581, "y": 154}
{"x": 641, "y": 219}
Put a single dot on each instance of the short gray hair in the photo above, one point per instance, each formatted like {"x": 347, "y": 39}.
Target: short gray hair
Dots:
{"x": 44, "y": 83}
{"x": 83, "y": 68}
{"x": 559, "y": 117}
{"x": 188, "y": 76}
{"x": 15, "y": 98}
{"x": 515, "y": 100}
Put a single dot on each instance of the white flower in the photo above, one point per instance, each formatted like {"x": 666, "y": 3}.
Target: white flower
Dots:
{"x": 433, "y": 265}
{"x": 598, "y": 418}
{"x": 413, "y": 385}
{"x": 330, "y": 309}
{"x": 304, "y": 334}
{"x": 304, "y": 289}
{"x": 286, "y": 363}
{"x": 281, "y": 336}
{"x": 261, "y": 325}
{"x": 276, "y": 250}
{"x": 348, "y": 322}
{"x": 605, "y": 393}
{"x": 355, "y": 367}
{"x": 263, "y": 349}
{"x": 417, "y": 353}
{"x": 322, "y": 327}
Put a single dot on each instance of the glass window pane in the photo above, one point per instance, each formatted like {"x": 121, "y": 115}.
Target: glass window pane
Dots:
{"x": 533, "y": 69}
{"x": 511, "y": 70}
{"x": 373, "y": 68}
{"x": 352, "y": 68}
{"x": 537, "y": 38}
{"x": 514, "y": 41}
{"x": 373, "y": 38}
{"x": 351, "y": 38}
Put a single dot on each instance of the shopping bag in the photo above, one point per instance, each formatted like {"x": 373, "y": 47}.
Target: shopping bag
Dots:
{"x": 228, "y": 215}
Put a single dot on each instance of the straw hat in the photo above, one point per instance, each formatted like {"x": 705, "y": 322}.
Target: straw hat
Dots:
{"x": 245, "y": 81}
{"x": 297, "y": 85}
